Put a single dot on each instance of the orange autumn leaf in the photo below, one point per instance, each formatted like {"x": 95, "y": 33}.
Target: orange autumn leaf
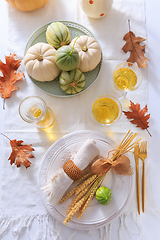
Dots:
{"x": 20, "y": 153}
{"x": 138, "y": 116}
{"x": 10, "y": 75}
{"x": 136, "y": 50}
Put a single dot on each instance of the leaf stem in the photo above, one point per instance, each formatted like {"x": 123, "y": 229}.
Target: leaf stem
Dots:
{"x": 10, "y": 140}
{"x": 3, "y": 103}
{"x": 129, "y": 24}
{"x": 149, "y": 132}
{"x": 73, "y": 45}
{"x": 6, "y": 136}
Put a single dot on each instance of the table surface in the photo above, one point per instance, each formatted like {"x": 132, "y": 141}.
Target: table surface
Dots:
{"x": 149, "y": 223}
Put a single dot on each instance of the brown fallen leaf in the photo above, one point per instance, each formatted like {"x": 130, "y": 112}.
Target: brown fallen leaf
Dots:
{"x": 10, "y": 75}
{"x": 20, "y": 153}
{"x": 138, "y": 116}
{"x": 136, "y": 50}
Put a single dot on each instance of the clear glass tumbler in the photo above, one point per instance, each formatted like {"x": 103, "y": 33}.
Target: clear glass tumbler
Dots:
{"x": 33, "y": 109}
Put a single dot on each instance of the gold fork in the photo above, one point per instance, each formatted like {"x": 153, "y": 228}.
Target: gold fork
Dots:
{"x": 136, "y": 153}
{"x": 142, "y": 156}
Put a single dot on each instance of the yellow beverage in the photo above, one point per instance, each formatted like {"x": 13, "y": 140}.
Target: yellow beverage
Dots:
{"x": 37, "y": 112}
{"x": 47, "y": 120}
{"x": 42, "y": 120}
{"x": 125, "y": 78}
{"x": 105, "y": 110}
{"x": 33, "y": 109}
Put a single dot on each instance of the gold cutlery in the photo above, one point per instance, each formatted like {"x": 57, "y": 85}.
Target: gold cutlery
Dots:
{"x": 136, "y": 156}
{"x": 142, "y": 156}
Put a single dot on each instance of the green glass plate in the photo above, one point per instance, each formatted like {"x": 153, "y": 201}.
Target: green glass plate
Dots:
{"x": 53, "y": 87}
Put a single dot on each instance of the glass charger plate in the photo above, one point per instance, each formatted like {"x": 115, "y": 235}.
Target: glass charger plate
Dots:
{"x": 96, "y": 215}
{"x": 53, "y": 87}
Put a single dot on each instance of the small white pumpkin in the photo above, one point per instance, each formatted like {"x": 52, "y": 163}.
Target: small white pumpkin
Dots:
{"x": 89, "y": 52}
{"x": 40, "y": 62}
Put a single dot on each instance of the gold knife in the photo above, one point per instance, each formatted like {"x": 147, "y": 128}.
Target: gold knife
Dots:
{"x": 136, "y": 153}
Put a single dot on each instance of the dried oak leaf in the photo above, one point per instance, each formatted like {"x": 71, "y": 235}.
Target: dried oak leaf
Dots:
{"x": 136, "y": 50}
{"x": 10, "y": 75}
{"x": 20, "y": 153}
{"x": 138, "y": 116}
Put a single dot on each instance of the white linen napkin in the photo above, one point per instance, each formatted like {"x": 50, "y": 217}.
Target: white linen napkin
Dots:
{"x": 59, "y": 181}
{"x": 20, "y": 200}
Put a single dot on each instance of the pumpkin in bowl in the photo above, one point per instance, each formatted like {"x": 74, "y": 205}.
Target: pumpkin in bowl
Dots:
{"x": 89, "y": 52}
{"x": 67, "y": 57}
{"x": 27, "y": 5}
{"x": 40, "y": 62}
{"x": 58, "y": 34}
{"x": 72, "y": 82}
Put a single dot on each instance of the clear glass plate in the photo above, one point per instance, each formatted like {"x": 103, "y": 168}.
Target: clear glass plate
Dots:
{"x": 53, "y": 87}
{"x": 96, "y": 215}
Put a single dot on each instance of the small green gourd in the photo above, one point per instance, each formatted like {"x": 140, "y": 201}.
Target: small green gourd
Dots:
{"x": 67, "y": 58}
{"x": 104, "y": 195}
{"x": 57, "y": 35}
{"x": 72, "y": 82}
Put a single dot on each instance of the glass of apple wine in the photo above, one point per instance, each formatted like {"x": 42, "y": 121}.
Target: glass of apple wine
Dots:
{"x": 33, "y": 109}
{"x": 127, "y": 77}
{"x": 106, "y": 109}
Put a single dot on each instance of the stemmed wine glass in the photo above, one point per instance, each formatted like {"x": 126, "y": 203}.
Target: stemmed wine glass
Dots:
{"x": 127, "y": 77}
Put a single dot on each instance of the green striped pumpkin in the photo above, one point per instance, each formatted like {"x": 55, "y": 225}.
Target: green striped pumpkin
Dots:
{"x": 104, "y": 195}
{"x": 57, "y": 35}
{"x": 72, "y": 82}
{"x": 67, "y": 58}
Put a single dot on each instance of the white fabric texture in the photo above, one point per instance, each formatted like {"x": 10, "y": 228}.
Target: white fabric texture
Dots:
{"x": 20, "y": 201}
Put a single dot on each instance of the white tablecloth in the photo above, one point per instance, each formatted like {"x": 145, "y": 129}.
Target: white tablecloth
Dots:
{"x": 20, "y": 201}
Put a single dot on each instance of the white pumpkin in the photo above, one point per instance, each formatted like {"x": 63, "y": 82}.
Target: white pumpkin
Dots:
{"x": 40, "y": 62}
{"x": 89, "y": 52}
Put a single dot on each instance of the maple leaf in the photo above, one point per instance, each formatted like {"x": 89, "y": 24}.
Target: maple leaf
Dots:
{"x": 136, "y": 50}
{"x": 10, "y": 75}
{"x": 20, "y": 153}
{"x": 138, "y": 116}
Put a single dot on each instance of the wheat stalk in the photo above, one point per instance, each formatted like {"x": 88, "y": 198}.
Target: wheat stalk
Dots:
{"x": 82, "y": 192}
{"x": 73, "y": 211}
{"x": 85, "y": 184}
{"x": 85, "y": 176}
{"x": 79, "y": 196}
{"x": 68, "y": 195}
{"x": 125, "y": 145}
{"x": 77, "y": 189}
{"x": 89, "y": 196}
